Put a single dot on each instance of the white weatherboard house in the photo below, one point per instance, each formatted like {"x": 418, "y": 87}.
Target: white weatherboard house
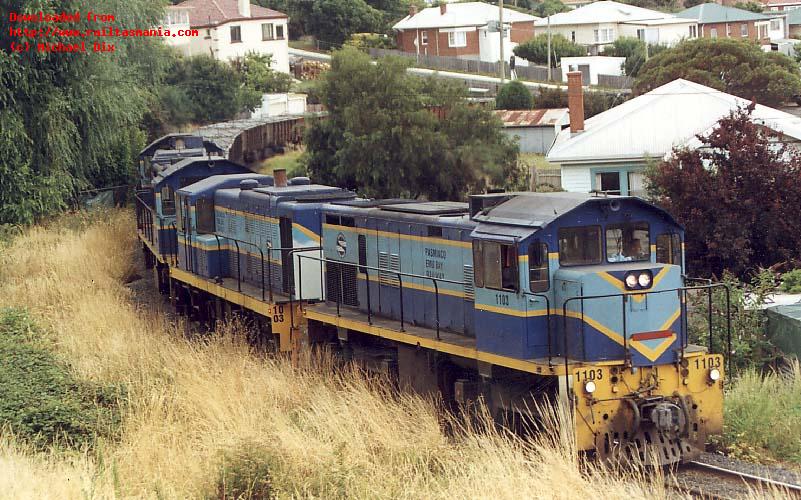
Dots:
{"x": 601, "y": 23}
{"x": 614, "y": 148}
{"x": 229, "y": 29}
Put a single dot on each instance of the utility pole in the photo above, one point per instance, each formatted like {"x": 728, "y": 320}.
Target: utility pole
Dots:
{"x": 503, "y": 60}
{"x": 550, "y": 76}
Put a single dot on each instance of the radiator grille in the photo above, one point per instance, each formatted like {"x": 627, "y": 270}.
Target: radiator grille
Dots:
{"x": 341, "y": 284}
{"x": 469, "y": 290}
{"x": 387, "y": 263}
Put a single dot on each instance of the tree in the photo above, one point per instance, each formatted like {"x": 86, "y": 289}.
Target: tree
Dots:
{"x": 71, "y": 121}
{"x": 733, "y": 66}
{"x": 633, "y": 49}
{"x": 548, "y": 8}
{"x": 738, "y": 198}
{"x": 513, "y": 95}
{"x": 206, "y": 90}
{"x": 536, "y": 49}
{"x": 386, "y": 134}
{"x": 260, "y": 77}
{"x": 333, "y": 21}
{"x": 752, "y": 6}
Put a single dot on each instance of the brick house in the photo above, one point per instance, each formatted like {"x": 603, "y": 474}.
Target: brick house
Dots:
{"x": 780, "y": 5}
{"x": 462, "y": 30}
{"x": 718, "y": 21}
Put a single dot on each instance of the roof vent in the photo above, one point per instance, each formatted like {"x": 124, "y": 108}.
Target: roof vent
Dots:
{"x": 299, "y": 181}
{"x": 248, "y": 184}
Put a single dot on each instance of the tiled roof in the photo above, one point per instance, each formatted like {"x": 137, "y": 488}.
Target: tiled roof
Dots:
{"x": 214, "y": 12}
{"x": 715, "y": 13}
{"x": 532, "y": 117}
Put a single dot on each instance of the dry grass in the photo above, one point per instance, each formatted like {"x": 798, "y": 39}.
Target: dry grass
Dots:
{"x": 321, "y": 433}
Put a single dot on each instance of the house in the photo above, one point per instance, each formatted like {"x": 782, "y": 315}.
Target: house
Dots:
{"x": 278, "y": 104}
{"x": 794, "y": 23}
{"x": 229, "y": 29}
{"x": 719, "y": 21}
{"x": 610, "y": 151}
{"x": 780, "y": 5}
{"x": 601, "y": 23}
{"x": 462, "y": 30}
{"x": 534, "y": 129}
{"x": 592, "y": 66}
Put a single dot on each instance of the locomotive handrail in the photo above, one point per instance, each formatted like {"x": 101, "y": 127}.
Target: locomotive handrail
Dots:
{"x": 174, "y": 244}
{"x": 399, "y": 275}
{"x": 680, "y": 290}
{"x": 548, "y": 319}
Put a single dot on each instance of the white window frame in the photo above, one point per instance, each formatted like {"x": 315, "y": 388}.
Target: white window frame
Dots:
{"x": 453, "y": 39}
{"x": 231, "y": 33}
{"x": 270, "y": 31}
{"x": 424, "y": 37}
{"x": 763, "y": 31}
{"x": 603, "y": 35}
{"x": 693, "y": 31}
{"x": 728, "y": 30}
{"x": 778, "y": 24}
{"x": 713, "y": 32}
{"x": 744, "y": 29}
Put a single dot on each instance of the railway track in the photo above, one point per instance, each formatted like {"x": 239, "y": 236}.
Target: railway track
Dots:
{"x": 711, "y": 481}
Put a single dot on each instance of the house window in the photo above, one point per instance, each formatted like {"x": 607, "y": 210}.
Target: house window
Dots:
{"x": 628, "y": 242}
{"x": 267, "y": 32}
{"x": 279, "y": 32}
{"x": 580, "y": 246}
{"x": 728, "y": 30}
{"x": 713, "y": 33}
{"x": 775, "y": 24}
{"x": 573, "y": 36}
{"x": 668, "y": 249}
{"x": 693, "y": 31}
{"x": 538, "y": 273}
{"x": 636, "y": 183}
{"x": 424, "y": 37}
{"x": 495, "y": 265}
{"x": 608, "y": 182}
{"x": 744, "y": 29}
{"x": 641, "y": 34}
{"x": 236, "y": 34}
{"x": 457, "y": 39}
{"x": 763, "y": 31}
{"x": 605, "y": 35}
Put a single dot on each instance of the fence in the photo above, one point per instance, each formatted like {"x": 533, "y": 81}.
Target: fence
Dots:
{"x": 539, "y": 73}
{"x": 549, "y": 176}
{"x": 615, "y": 81}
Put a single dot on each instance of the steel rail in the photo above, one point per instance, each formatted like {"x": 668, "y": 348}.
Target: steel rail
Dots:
{"x": 746, "y": 477}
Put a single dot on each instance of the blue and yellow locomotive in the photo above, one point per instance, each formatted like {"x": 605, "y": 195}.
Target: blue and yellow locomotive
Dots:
{"x": 514, "y": 298}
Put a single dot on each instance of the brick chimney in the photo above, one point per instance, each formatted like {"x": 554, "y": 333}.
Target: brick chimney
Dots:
{"x": 443, "y": 8}
{"x": 575, "y": 101}
{"x": 412, "y": 10}
{"x": 244, "y": 8}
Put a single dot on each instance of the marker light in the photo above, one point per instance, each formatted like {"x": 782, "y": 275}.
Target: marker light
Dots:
{"x": 644, "y": 280}
{"x": 631, "y": 281}
{"x": 589, "y": 387}
{"x": 714, "y": 374}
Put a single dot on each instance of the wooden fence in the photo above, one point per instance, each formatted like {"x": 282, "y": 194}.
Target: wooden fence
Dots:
{"x": 549, "y": 176}
{"x": 615, "y": 81}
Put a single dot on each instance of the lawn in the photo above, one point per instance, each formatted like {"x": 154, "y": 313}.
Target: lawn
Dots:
{"x": 290, "y": 161}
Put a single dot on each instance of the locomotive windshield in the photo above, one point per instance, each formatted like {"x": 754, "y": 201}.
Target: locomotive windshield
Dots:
{"x": 580, "y": 246}
{"x": 628, "y": 242}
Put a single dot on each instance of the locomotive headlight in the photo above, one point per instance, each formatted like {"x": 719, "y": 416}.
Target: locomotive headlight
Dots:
{"x": 589, "y": 387}
{"x": 644, "y": 279}
{"x": 631, "y": 281}
{"x": 714, "y": 374}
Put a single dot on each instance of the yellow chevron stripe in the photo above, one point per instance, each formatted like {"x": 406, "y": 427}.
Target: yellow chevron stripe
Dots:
{"x": 308, "y": 232}
{"x": 637, "y": 296}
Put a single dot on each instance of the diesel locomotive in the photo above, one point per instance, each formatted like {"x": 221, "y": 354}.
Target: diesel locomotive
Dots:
{"x": 513, "y": 298}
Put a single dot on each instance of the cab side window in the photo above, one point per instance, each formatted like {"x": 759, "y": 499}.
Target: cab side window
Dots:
{"x": 538, "y": 272}
{"x": 668, "y": 249}
{"x": 495, "y": 265}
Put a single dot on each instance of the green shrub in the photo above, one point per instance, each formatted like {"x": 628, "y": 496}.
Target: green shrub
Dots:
{"x": 791, "y": 282}
{"x": 762, "y": 416}
{"x": 244, "y": 473}
{"x": 514, "y": 95}
{"x": 40, "y": 400}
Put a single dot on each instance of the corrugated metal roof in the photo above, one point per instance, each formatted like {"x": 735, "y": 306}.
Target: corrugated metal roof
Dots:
{"x": 651, "y": 125}
{"x": 532, "y": 117}
{"x": 714, "y": 13}
{"x": 460, "y": 14}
